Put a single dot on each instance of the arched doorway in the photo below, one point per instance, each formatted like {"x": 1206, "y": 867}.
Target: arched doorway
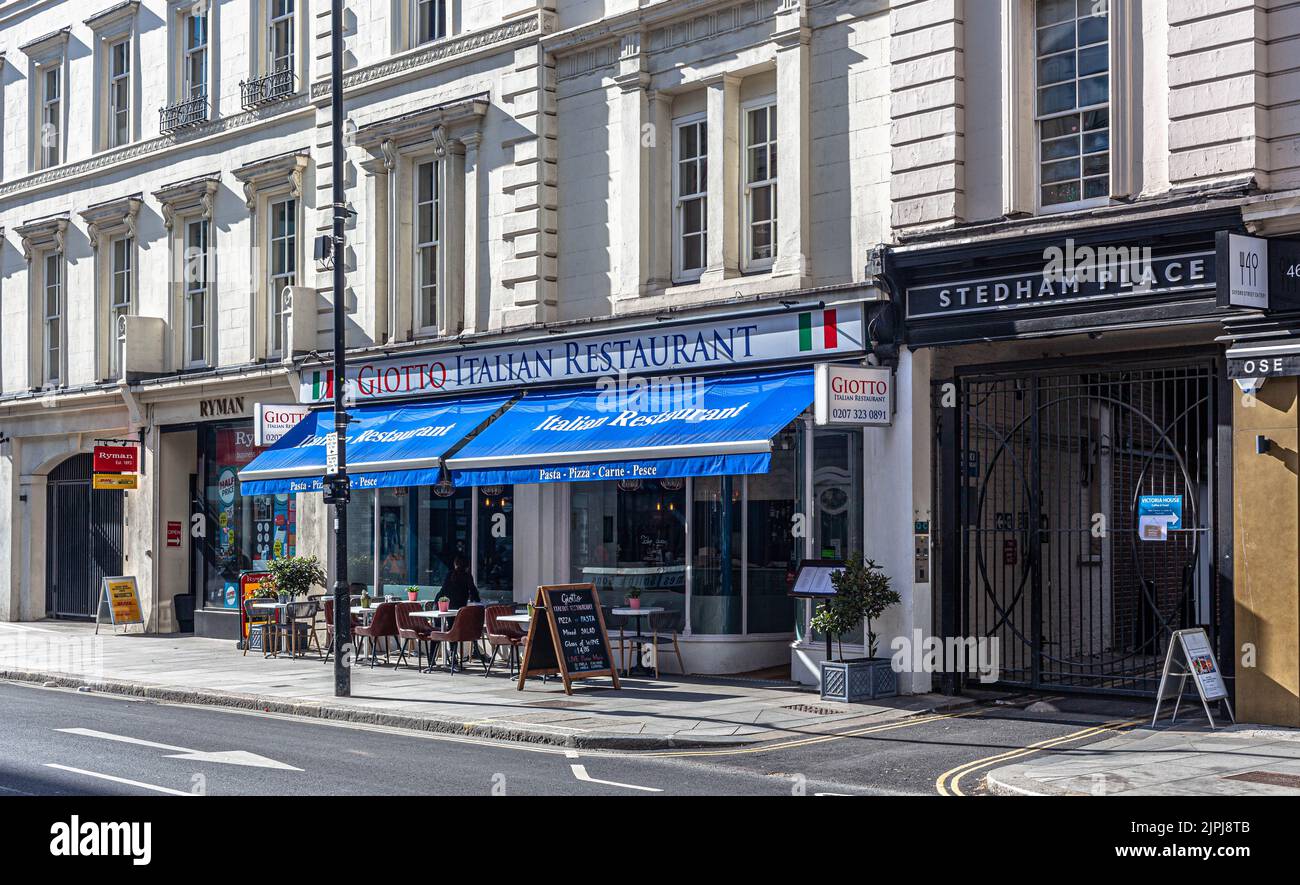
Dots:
{"x": 83, "y": 533}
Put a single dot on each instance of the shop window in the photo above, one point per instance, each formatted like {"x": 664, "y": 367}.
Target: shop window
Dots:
{"x": 837, "y": 501}
{"x": 717, "y": 601}
{"x": 1072, "y": 104}
{"x": 629, "y": 534}
{"x": 242, "y": 533}
{"x": 774, "y": 545}
{"x": 361, "y": 541}
{"x": 496, "y": 545}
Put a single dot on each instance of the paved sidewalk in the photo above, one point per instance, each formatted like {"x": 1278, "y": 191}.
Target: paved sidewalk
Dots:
{"x": 671, "y": 712}
{"x": 1178, "y": 760}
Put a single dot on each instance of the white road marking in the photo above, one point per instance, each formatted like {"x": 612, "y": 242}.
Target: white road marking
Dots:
{"x": 119, "y": 780}
{"x": 227, "y": 757}
{"x": 580, "y": 772}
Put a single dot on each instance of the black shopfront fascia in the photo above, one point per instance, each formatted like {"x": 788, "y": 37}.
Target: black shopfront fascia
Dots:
{"x": 997, "y": 289}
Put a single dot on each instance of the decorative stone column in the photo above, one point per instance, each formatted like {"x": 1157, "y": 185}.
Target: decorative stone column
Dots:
{"x": 794, "y": 140}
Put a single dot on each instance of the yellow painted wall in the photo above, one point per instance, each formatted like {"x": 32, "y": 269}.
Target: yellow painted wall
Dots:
{"x": 1266, "y": 525}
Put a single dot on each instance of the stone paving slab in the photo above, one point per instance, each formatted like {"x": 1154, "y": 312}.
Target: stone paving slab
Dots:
{"x": 672, "y": 712}
{"x": 1179, "y": 760}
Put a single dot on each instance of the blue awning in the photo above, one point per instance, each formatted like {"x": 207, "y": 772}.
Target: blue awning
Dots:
{"x": 386, "y": 446}
{"x": 697, "y": 427}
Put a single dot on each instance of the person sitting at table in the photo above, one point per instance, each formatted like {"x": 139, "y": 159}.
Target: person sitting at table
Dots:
{"x": 459, "y": 587}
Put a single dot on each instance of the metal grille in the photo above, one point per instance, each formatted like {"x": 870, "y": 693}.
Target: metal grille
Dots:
{"x": 1051, "y": 467}
{"x": 83, "y": 539}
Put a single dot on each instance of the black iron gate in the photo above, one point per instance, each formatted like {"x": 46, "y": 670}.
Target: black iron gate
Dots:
{"x": 1051, "y": 558}
{"x": 83, "y": 539}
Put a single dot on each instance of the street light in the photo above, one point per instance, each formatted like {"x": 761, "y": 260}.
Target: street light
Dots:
{"x": 338, "y": 487}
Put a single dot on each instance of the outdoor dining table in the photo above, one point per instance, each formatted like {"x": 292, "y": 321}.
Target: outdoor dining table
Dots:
{"x": 638, "y": 640}
{"x": 441, "y": 617}
{"x": 278, "y": 606}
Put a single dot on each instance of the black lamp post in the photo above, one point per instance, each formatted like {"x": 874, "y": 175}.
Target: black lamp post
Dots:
{"x": 338, "y": 488}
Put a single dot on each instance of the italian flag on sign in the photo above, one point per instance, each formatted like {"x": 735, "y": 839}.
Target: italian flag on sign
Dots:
{"x": 322, "y": 385}
{"x": 818, "y": 330}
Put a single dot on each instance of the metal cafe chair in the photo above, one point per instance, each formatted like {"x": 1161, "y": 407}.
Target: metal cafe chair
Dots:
{"x": 304, "y": 612}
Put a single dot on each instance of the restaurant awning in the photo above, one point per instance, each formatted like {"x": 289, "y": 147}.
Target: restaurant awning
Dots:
{"x": 691, "y": 427}
{"x": 386, "y": 446}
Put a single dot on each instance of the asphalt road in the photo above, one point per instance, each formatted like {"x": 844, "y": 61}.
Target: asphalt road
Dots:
{"x": 61, "y": 742}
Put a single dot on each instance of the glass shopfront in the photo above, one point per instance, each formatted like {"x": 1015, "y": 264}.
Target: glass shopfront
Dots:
{"x": 746, "y": 539}
{"x": 241, "y": 532}
{"x": 412, "y": 536}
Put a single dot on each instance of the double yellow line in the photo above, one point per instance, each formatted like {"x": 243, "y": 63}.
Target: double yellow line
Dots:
{"x": 949, "y": 783}
{"x": 820, "y": 739}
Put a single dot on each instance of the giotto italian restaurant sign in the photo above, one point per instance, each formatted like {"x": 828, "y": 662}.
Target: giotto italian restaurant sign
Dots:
{"x": 659, "y": 349}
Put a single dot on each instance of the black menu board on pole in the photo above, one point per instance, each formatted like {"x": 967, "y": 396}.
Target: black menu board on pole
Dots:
{"x": 567, "y": 636}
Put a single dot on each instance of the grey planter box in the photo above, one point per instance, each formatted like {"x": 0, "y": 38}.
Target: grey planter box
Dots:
{"x": 861, "y": 679}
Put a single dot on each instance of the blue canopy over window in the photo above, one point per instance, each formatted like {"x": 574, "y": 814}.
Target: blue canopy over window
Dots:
{"x": 386, "y": 446}
{"x": 695, "y": 427}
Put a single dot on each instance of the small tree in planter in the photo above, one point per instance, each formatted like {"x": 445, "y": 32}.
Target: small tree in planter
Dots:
{"x": 862, "y": 592}
{"x": 293, "y": 576}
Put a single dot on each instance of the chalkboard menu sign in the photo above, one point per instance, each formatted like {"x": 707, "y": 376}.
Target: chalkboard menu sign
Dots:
{"x": 567, "y": 636}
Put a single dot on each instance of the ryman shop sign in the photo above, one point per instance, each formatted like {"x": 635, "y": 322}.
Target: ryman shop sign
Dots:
{"x": 797, "y": 334}
{"x": 1069, "y": 274}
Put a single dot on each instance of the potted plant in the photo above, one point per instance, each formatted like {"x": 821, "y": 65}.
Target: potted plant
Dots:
{"x": 862, "y": 591}
{"x": 443, "y": 603}
{"x": 365, "y": 598}
{"x": 294, "y": 576}
{"x": 412, "y": 593}
{"x": 634, "y": 598}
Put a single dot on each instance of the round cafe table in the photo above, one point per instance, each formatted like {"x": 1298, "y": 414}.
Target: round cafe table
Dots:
{"x": 638, "y": 640}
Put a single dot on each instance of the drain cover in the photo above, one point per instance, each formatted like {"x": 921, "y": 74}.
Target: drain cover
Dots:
{"x": 1272, "y": 778}
{"x": 815, "y": 711}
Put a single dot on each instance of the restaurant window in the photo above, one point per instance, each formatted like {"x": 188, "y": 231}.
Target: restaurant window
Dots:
{"x": 361, "y": 541}
{"x": 837, "y": 502}
{"x": 773, "y": 546}
{"x": 691, "y": 186}
{"x": 627, "y": 534}
{"x": 1072, "y": 52}
{"x": 759, "y": 204}
{"x": 242, "y": 533}
{"x": 496, "y": 543}
{"x": 717, "y": 588}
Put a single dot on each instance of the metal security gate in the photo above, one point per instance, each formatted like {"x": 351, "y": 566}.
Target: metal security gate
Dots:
{"x": 1051, "y": 465}
{"x": 83, "y": 539}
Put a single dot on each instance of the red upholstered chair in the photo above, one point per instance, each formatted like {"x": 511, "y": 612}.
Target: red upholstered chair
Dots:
{"x": 503, "y": 634}
{"x": 410, "y": 629}
{"x": 383, "y": 625}
{"x": 467, "y": 627}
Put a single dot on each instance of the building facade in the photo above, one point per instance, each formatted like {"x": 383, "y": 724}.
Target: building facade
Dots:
{"x": 544, "y": 191}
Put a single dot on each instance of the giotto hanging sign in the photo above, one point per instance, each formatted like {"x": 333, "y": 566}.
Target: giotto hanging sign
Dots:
{"x": 271, "y": 421}
{"x": 860, "y": 396}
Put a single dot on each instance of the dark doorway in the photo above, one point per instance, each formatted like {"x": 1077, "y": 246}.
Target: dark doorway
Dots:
{"x": 83, "y": 539}
{"x": 1052, "y": 467}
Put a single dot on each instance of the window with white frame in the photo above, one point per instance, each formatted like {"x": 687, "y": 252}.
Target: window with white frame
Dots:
{"x": 428, "y": 21}
{"x": 52, "y": 321}
{"x": 51, "y": 134}
{"x": 283, "y": 267}
{"x": 1072, "y": 79}
{"x": 690, "y": 197}
{"x": 759, "y": 204}
{"x": 119, "y": 93}
{"x": 280, "y": 35}
{"x": 196, "y": 294}
{"x": 427, "y": 247}
{"x": 195, "y": 50}
{"x": 121, "y": 298}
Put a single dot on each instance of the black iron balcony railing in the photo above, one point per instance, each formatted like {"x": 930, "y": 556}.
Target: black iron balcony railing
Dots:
{"x": 184, "y": 113}
{"x": 270, "y": 87}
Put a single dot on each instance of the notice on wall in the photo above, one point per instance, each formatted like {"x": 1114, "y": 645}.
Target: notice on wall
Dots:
{"x": 119, "y": 599}
{"x": 174, "y": 532}
{"x": 1158, "y": 515}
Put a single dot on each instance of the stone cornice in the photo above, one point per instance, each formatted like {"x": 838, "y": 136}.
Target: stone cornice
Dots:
{"x": 273, "y": 172}
{"x": 113, "y": 217}
{"x": 115, "y": 18}
{"x": 454, "y": 50}
{"x": 383, "y": 137}
{"x": 199, "y": 192}
{"x": 42, "y": 234}
{"x": 614, "y": 27}
{"x": 42, "y": 49}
